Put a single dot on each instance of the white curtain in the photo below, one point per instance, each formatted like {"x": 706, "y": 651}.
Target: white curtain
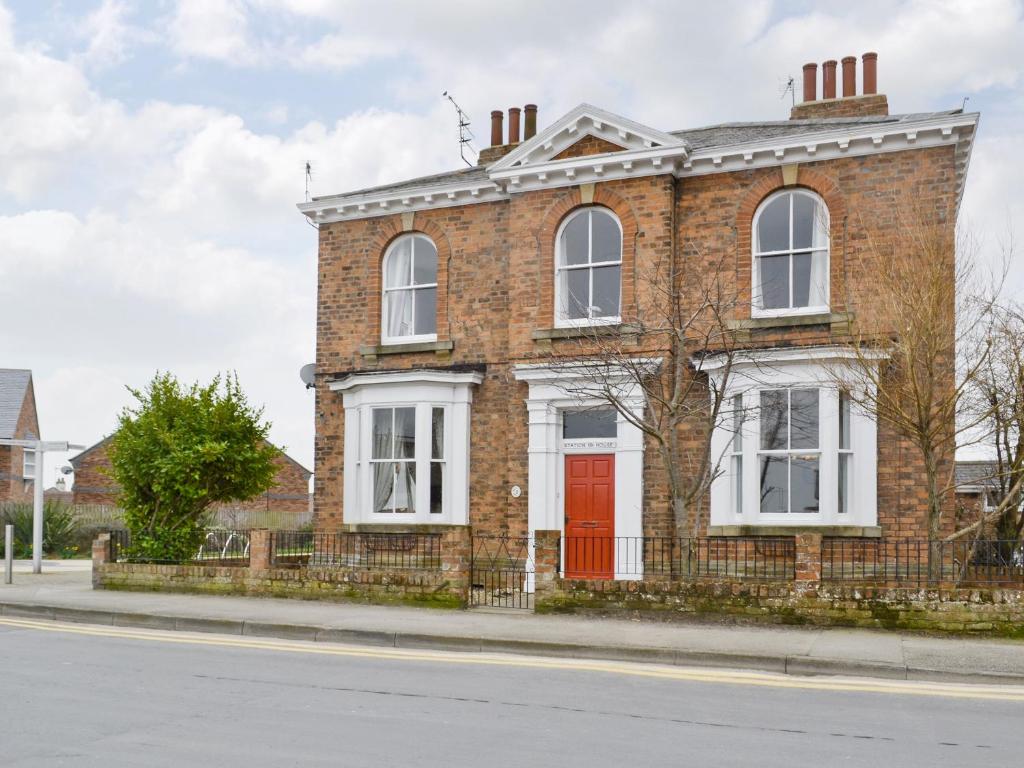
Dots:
{"x": 398, "y": 274}
{"x": 819, "y": 262}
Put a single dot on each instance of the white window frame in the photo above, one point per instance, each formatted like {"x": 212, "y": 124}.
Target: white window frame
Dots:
{"x": 415, "y": 288}
{"x": 789, "y": 452}
{"x": 755, "y": 288}
{"x": 808, "y": 368}
{"x": 423, "y": 390}
{"x": 561, "y": 318}
{"x": 26, "y": 453}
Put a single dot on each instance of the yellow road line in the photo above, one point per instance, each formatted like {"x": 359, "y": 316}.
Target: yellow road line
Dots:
{"x": 688, "y": 674}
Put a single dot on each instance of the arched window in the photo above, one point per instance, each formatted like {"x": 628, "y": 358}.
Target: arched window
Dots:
{"x": 409, "y": 305}
{"x": 791, "y": 254}
{"x": 588, "y": 268}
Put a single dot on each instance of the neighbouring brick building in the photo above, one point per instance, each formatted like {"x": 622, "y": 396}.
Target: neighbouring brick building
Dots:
{"x": 93, "y": 484}
{"x": 18, "y": 420}
{"x": 449, "y": 307}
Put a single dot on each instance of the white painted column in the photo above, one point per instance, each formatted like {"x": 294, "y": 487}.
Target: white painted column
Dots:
{"x": 37, "y": 512}
{"x": 629, "y": 497}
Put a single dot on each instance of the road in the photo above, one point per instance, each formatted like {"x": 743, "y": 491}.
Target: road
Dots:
{"x": 81, "y": 695}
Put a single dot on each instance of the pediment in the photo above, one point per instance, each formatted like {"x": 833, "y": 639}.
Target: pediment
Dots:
{"x": 586, "y": 123}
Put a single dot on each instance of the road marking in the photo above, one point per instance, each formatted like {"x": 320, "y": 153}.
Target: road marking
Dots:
{"x": 688, "y": 674}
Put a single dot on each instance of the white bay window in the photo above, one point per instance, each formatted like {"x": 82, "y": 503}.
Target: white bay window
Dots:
{"x": 407, "y": 446}
{"x": 795, "y": 448}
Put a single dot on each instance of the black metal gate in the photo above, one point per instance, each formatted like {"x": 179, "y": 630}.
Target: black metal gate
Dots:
{"x": 502, "y": 572}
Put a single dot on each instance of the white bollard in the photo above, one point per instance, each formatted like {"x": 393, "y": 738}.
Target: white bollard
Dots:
{"x": 8, "y": 554}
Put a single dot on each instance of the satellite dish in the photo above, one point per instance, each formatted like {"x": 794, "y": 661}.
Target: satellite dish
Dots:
{"x": 308, "y": 374}
{"x": 67, "y": 469}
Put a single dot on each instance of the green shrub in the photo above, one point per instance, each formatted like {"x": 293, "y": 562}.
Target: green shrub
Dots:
{"x": 61, "y": 536}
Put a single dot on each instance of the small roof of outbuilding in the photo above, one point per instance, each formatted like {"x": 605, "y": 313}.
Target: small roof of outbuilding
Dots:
{"x": 13, "y": 386}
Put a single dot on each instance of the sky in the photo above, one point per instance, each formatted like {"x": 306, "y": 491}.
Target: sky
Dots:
{"x": 152, "y": 153}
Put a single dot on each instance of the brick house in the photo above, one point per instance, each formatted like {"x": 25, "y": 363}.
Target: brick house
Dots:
{"x": 93, "y": 485}
{"x": 444, "y": 300}
{"x": 18, "y": 420}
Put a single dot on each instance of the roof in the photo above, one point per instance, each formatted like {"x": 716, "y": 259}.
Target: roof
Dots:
{"x": 731, "y": 134}
{"x": 74, "y": 460}
{"x": 13, "y": 386}
{"x": 460, "y": 176}
{"x": 976, "y": 475}
{"x": 704, "y": 138}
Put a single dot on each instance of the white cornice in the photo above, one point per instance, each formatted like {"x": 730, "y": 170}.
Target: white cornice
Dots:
{"x": 781, "y": 355}
{"x": 851, "y": 140}
{"x": 348, "y": 207}
{"x": 584, "y": 120}
{"x": 415, "y": 376}
{"x": 576, "y": 370}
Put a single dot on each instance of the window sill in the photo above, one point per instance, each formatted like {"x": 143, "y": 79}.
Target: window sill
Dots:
{"x": 400, "y": 526}
{"x": 849, "y": 531}
{"x": 787, "y": 321}
{"x": 583, "y": 331}
{"x": 372, "y": 352}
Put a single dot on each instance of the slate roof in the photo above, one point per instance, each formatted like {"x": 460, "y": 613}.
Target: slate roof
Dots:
{"x": 707, "y": 137}
{"x": 460, "y": 176}
{"x": 13, "y": 386}
{"x": 975, "y": 474}
{"x": 730, "y": 134}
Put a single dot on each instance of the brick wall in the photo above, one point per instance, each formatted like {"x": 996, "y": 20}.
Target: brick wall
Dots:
{"x": 12, "y": 484}
{"x": 498, "y": 290}
{"x": 443, "y": 587}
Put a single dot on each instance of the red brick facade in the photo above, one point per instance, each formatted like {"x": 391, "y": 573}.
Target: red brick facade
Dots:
{"x": 13, "y": 485}
{"x": 496, "y": 297}
{"x": 93, "y": 484}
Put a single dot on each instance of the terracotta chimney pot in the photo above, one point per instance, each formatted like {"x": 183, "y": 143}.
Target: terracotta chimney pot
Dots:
{"x": 849, "y": 76}
{"x": 828, "y": 76}
{"x": 497, "y": 118}
{"x": 530, "y": 126}
{"x": 513, "y": 125}
{"x": 870, "y": 74}
{"x": 810, "y": 82}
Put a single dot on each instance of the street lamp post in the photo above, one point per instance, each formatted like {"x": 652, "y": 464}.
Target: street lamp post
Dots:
{"x": 40, "y": 447}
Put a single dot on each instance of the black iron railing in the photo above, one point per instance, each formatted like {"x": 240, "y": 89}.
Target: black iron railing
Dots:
{"x": 373, "y": 551}
{"x": 502, "y": 572}
{"x": 219, "y": 547}
{"x": 754, "y": 557}
{"x": 922, "y": 563}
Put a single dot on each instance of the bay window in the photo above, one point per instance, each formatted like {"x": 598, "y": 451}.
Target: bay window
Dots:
{"x": 795, "y": 448}
{"x": 406, "y": 450}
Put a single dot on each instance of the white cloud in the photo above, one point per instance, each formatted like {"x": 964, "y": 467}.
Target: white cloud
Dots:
{"x": 212, "y": 29}
{"x": 110, "y": 36}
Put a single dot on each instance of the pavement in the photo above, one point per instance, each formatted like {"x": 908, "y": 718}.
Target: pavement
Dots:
{"x": 63, "y": 592}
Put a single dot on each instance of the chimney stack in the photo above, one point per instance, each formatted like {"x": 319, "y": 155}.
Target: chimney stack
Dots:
{"x": 497, "y": 129}
{"x": 828, "y": 79}
{"x": 513, "y": 125}
{"x": 810, "y": 82}
{"x": 849, "y": 76}
{"x": 868, "y": 104}
{"x": 530, "y": 128}
{"x": 870, "y": 73}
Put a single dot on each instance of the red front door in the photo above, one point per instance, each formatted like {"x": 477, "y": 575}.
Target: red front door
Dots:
{"x": 590, "y": 516}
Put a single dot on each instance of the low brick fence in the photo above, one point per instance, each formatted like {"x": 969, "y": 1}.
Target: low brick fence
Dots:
{"x": 804, "y": 599}
{"x": 444, "y": 584}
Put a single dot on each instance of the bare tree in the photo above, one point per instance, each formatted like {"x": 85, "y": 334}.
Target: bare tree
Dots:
{"x": 920, "y": 341}
{"x": 682, "y": 317}
{"x": 997, "y": 400}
